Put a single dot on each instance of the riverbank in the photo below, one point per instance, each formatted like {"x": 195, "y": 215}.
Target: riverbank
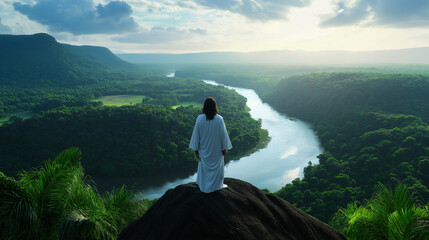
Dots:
{"x": 264, "y": 139}
{"x": 276, "y": 161}
{"x": 106, "y": 183}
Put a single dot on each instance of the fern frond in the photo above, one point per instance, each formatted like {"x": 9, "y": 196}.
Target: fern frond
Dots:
{"x": 18, "y": 217}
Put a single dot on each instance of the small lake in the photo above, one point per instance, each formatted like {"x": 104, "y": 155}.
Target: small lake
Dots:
{"x": 293, "y": 144}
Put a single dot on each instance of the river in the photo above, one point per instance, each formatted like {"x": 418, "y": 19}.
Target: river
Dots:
{"x": 293, "y": 144}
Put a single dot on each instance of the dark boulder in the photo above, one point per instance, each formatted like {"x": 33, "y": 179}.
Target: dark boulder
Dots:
{"x": 241, "y": 211}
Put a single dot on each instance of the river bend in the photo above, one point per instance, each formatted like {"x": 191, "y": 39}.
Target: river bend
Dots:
{"x": 293, "y": 144}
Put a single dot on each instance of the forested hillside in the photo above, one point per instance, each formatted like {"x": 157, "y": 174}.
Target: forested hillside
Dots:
{"x": 39, "y": 60}
{"x": 101, "y": 55}
{"x": 373, "y": 127}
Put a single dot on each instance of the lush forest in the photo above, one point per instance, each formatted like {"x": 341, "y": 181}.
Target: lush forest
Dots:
{"x": 263, "y": 77}
{"x": 57, "y": 84}
{"x": 373, "y": 127}
{"x": 138, "y": 140}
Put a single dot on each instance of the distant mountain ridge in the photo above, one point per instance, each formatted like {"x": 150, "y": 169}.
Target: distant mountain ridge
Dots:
{"x": 287, "y": 57}
{"x": 40, "y": 60}
{"x": 98, "y": 54}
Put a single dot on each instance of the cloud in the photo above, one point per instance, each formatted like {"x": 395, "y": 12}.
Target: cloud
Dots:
{"x": 198, "y": 31}
{"x": 160, "y": 35}
{"x": 348, "y": 16}
{"x": 261, "y": 10}
{"x": 396, "y": 13}
{"x": 4, "y": 29}
{"x": 80, "y": 16}
{"x": 221, "y": 4}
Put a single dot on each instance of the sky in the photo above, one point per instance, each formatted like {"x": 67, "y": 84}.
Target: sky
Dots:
{"x": 185, "y": 26}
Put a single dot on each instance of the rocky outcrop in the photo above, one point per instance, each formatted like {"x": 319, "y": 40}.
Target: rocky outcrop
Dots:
{"x": 241, "y": 211}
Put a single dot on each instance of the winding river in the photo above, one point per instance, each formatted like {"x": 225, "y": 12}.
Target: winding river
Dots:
{"x": 293, "y": 144}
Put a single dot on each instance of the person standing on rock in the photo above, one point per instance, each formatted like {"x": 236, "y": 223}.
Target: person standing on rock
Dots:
{"x": 210, "y": 141}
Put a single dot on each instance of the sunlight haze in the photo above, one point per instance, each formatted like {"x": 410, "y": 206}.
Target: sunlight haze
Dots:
{"x": 187, "y": 26}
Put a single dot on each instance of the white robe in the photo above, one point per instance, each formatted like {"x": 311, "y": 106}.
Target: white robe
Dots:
{"x": 210, "y": 138}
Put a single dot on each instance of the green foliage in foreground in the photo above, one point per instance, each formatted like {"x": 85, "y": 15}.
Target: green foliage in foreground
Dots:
{"x": 393, "y": 215}
{"x": 55, "y": 202}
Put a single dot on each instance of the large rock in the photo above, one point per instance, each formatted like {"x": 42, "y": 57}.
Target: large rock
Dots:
{"x": 241, "y": 211}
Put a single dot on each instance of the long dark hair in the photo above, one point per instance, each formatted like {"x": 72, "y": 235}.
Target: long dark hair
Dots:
{"x": 209, "y": 108}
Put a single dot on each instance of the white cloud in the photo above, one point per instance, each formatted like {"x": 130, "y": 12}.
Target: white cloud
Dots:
{"x": 397, "y": 13}
{"x": 291, "y": 175}
{"x": 181, "y": 26}
{"x": 160, "y": 35}
{"x": 260, "y": 10}
{"x": 4, "y": 29}
{"x": 293, "y": 150}
{"x": 80, "y": 16}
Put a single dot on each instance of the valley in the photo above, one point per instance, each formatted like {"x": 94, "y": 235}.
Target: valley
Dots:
{"x": 325, "y": 104}
{"x": 365, "y": 127}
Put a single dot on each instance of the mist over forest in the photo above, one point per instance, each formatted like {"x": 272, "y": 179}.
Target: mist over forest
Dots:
{"x": 287, "y": 57}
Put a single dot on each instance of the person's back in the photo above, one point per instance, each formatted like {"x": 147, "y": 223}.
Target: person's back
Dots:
{"x": 211, "y": 130}
{"x": 210, "y": 141}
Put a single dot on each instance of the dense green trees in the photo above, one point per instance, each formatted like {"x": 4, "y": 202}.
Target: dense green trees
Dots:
{"x": 58, "y": 83}
{"x": 117, "y": 141}
{"x": 335, "y": 95}
{"x": 56, "y": 202}
{"x": 140, "y": 140}
{"x": 38, "y": 98}
{"x": 263, "y": 78}
{"x": 374, "y": 128}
